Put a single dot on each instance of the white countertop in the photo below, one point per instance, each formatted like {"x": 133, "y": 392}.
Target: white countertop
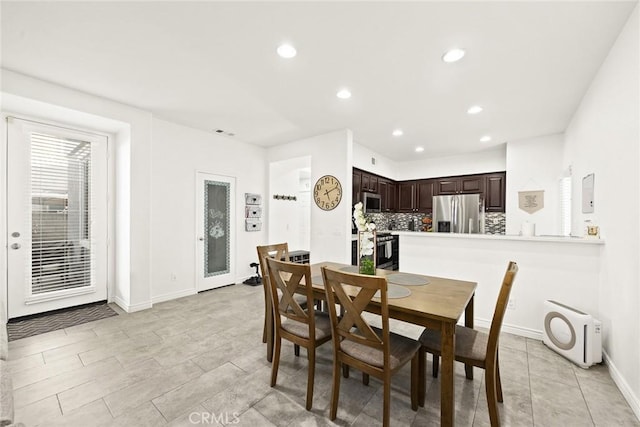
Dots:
{"x": 552, "y": 239}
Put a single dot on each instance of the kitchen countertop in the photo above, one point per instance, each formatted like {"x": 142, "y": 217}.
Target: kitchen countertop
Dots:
{"x": 553, "y": 239}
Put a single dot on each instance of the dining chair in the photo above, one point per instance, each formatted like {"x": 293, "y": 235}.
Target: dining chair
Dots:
{"x": 476, "y": 348}
{"x": 374, "y": 351}
{"x": 279, "y": 251}
{"x": 306, "y": 328}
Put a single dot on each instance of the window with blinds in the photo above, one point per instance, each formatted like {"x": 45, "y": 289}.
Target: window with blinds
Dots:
{"x": 61, "y": 256}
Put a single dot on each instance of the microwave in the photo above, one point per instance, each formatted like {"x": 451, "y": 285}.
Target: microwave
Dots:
{"x": 371, "y": 202}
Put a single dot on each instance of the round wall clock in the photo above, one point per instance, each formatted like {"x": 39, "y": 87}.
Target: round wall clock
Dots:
{"x": 327, "y": 193}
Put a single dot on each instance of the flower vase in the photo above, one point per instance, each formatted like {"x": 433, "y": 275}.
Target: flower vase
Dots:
{"x": 367, "y": 252}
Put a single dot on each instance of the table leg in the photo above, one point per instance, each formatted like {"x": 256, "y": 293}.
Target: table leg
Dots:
{"x": 468, "y": 322}
{"x": 447, "y": 387}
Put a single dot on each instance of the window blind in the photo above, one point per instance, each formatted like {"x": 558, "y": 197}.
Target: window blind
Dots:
{"x": 61, "y": 250}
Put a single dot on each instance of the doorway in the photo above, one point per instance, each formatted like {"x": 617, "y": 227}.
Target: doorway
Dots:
{"x": 215, "y": 231}
{"x": 57, "y": 216}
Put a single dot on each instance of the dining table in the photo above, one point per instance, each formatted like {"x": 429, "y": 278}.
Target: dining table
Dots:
{"x": 432, "y": 302}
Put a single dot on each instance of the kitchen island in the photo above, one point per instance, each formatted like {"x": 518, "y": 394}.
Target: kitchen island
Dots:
{"x": 564, "y": 269}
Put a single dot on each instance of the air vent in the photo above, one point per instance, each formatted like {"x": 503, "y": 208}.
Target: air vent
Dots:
{"x": 222, "y": 131}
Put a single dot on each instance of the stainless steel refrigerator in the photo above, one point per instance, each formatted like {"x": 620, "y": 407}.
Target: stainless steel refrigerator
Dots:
{"x": 460, "y": 213}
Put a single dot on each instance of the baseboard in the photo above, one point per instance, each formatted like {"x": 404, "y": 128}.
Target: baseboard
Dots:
{"x": 623, "y": 386}
{"x": 131, "y": 308}
{"x": 510, "y": 329}
{"x": 173, "y": 295}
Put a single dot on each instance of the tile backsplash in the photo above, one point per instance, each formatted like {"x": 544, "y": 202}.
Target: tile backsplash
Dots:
{"x": 494, "y": 222}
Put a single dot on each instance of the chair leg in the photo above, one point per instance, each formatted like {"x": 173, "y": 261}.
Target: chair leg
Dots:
{"x": 296, "y": 350}
{"x": 276, "y": 360}
{"x": 386, "y": 403}
{"x": 311, "y": 356}
{"x": 422, "y": 362}
{"x": 264, "y": 330}
{"x": 415, "y": 371}
{"x": 498, "y": 382}
{"x": 345, "y": 370}
{"x": 436, "y": 365}
{"x": 335, "y": 390}
{"x": 365, "y": 378}
{"x": 490, "y": 383}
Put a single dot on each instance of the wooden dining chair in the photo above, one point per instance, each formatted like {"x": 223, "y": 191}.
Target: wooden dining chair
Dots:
{"x": 279, "y": 251}
{"x": 305, "y": 328}
{"x": 376, "y": 352}
{"x": 476, "y": 348}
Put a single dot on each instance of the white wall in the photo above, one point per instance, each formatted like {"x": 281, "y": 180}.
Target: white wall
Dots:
{"x": 384, "y": 166}
{"x": 534, "y": 164}
{"x": 603, "y": 138}
{"x": 490, "y": 160}
{"x": 178, "y": 152}
{"x": 290, "y": 219}
{"x": 331, "y": 154}
{"x": 133, "y": 133}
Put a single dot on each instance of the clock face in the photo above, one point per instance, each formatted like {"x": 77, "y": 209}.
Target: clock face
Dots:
{"x": 327, "y": 193}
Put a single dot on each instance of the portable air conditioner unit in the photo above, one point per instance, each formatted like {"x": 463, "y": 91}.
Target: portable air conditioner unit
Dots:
{"x": 572, "y": 333}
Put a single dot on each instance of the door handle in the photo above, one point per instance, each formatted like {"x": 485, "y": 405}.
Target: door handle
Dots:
{"x": 15, "y": 246}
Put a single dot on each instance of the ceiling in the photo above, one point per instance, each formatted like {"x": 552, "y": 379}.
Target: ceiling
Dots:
{"x": 213, "y": 65}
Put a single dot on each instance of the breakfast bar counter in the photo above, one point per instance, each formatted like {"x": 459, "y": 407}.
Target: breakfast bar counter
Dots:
{"x": 564, "y": 269}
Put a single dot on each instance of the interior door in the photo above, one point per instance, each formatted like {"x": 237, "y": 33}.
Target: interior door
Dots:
{"x": 215, "y": 231}
{"x": 56, "y": 217}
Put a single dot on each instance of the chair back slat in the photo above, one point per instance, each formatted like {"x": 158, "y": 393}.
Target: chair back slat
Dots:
{"x": 277, "y": 251}
{"x": 501, "y": 306}
{"x": 354, "y": 292}
{"x": 289, "y": 278}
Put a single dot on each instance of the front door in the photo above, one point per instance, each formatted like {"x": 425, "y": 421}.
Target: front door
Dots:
{"x": 56, "y": 217}
{"x": 215, "y": 231}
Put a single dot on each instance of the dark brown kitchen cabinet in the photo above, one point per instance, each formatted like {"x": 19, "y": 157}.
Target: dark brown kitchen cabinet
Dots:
{"x": 472, "y": 184}
{"x": 424, "y": 191}
{"x": 495, "y": 189}
{"x": 369, "y": 183}
{"x": 407, "y": 196}
{"x": 388, "y": 195}
{"x": 416, "y": 196}
{"x": 356, "y": 187}
{"x": 468, "y": 184}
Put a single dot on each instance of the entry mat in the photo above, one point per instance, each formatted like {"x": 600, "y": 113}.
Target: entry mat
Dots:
{"x": 37, "y": 324}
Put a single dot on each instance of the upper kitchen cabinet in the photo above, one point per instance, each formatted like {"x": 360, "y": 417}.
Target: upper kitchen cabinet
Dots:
{"x": 416, "y": 196}
{"x": 495, "y": 189}
{"x": 469, "y": 184}
{"x": 356, "y": 187}
{"x": 407, "y": 196}
{"x": 388, "y": 195}
{"x": 369, "y": 183}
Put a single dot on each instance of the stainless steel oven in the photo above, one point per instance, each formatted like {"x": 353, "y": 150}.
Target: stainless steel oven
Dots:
{"x": 387, "y": 255}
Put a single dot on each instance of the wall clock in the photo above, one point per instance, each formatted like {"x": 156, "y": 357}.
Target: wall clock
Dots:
{"x": 327, "y": 193}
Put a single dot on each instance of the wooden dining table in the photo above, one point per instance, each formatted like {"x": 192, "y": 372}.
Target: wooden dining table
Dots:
{"x": 438, "y": 305}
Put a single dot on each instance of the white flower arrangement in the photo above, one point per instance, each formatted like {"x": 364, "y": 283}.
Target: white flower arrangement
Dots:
{"x": 366, "y": 230}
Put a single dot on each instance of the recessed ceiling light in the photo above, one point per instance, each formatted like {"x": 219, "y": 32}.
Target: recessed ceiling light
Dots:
{"x": 453, "y": 55}
{"x": 397, "y": 132}
{"x": 287, "y": 51}
{"x": 485, "y": 138}
{"x": 474, "y": 110}
{"x": 343, "y": 94}
{"x": 419, "y": 149}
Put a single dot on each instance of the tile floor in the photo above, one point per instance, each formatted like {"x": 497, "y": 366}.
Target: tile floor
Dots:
{"x": 199, "y": 360}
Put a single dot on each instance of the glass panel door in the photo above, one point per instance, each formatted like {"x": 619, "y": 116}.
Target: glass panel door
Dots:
{"x": 57, "y": 217}
{"x": 215, "y": 231}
